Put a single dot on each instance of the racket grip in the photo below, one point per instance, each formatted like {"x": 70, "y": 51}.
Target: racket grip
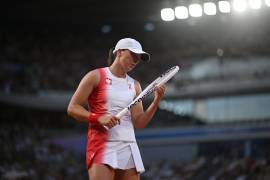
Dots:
{"x": 121, "y": 113}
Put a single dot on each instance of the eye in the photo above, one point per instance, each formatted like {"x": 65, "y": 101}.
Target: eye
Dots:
{"x": 136, "y": 58}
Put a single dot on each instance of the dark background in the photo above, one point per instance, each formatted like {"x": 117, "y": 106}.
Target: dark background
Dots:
{"x": 46, "y": 47}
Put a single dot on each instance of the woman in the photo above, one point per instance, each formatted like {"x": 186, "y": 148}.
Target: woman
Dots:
{"x": 112, "y": 152}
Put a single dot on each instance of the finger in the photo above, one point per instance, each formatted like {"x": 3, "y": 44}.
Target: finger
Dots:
{"x": 110, "y": 125}
{"x": 113, "y": 122}
{"x": 117, "y": 120}
{"x": 160, "y": 90}
{"x": 106, "y": 126}
{"x": 162, "y": 87}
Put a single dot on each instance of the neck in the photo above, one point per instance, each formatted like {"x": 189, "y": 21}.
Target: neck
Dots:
{"x": 117, "y": 70}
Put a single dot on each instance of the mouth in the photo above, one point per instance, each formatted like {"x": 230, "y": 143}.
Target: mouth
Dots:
{"x": 131, "y": 66}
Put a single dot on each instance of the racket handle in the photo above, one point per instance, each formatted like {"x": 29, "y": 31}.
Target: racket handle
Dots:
{"x": 121, "y": 113}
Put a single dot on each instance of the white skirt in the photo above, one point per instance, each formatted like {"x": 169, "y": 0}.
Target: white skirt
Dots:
{"x": 123, "y": 155}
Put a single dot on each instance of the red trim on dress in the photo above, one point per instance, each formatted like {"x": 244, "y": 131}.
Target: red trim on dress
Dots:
{"x": 97, "y": 134}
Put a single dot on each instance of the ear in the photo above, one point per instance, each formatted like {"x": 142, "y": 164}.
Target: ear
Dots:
{"x": 119, "y": 52}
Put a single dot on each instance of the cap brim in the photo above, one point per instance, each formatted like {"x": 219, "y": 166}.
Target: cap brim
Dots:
{"x": 144, "y": 55}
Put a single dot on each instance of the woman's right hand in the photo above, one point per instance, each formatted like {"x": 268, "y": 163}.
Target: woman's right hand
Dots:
{"x": 108, "y": 121}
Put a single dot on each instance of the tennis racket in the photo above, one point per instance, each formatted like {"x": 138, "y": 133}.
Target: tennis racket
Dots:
{"x": 162, "y": 79}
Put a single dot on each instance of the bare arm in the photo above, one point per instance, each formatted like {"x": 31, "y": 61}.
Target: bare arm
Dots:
{"x": 79, "y": 98}
{"x": 140, "y": 117}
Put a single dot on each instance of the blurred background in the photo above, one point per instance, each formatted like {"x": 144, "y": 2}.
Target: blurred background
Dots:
{"x": 213, "y": 122}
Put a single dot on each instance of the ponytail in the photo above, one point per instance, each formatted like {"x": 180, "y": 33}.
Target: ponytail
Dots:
{"x": 110, "y": 57}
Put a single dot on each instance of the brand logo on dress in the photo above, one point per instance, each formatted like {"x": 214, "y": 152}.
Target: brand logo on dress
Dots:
{"x": 108, "y": 81}
{"x": 129, "y": 86}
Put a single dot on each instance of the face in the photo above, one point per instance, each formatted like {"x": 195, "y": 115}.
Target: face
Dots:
{"x": 128, "y": 59}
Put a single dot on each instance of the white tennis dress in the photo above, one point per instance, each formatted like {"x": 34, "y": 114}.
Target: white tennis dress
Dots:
{"x": 117, "y": 146}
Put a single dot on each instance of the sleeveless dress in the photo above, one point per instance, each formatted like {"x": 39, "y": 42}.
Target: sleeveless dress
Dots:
{"x": 116, "y": 147}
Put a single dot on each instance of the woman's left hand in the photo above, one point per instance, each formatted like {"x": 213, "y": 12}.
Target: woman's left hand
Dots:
{"x": 159, "y": 92}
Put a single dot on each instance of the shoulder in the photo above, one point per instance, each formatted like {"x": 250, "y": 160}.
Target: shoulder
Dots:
{"x": 93, "y": 76}
{"x": 138, "y": 87}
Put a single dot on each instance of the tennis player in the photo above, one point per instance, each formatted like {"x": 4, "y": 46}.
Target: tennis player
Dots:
{"x": 112, "y": 152}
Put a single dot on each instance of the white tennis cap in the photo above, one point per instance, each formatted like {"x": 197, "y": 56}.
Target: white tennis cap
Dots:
{"x": 132, "y": 45}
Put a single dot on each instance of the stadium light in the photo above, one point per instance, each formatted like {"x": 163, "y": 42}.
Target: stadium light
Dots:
{"x": 224, "y": 6}
{"x": 255, "y": 4}
{"x": 181, "y": 12}
{"x": 195, "y": 10}
{"x": 210, "y": 8}
{"x": 149, "y": 27}
{"x": 267, "y": 2}
{"x": 167, "y": 14}
{"x": 106, "y": 28}
{"x": 240, "y": 5}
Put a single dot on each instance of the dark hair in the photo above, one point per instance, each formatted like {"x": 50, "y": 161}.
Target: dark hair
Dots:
{"x": 110, "y": 57}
